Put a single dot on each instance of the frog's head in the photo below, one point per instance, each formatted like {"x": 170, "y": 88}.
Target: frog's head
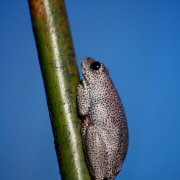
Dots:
{"x": 92, "y": 67}
{"x": 94, "y": 72}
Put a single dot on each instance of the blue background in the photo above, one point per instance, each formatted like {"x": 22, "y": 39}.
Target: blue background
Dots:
{"x": 138, "y": 41}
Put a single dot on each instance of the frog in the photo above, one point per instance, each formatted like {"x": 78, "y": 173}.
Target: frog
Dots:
{"x": 104, "y": 128}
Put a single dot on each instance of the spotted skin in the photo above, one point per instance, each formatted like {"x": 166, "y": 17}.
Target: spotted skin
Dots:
{"x": 104, "y": 128}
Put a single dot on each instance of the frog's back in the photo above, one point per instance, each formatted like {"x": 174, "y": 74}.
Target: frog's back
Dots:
{"x": 106, "y": 112}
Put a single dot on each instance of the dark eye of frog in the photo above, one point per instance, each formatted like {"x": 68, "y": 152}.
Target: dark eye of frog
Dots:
{"x": 95, "y": 65}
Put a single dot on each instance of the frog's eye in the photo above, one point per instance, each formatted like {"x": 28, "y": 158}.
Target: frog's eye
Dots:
{"x": 95, "y": 65}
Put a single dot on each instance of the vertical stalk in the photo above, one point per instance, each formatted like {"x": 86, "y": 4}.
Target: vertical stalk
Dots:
{"x": 60, "y": 76}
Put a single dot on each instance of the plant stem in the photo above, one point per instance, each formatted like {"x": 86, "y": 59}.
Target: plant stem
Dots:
{"x": 61, "y": 77}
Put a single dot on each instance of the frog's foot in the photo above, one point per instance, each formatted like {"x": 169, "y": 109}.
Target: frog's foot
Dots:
{"x": 85, "y": 122}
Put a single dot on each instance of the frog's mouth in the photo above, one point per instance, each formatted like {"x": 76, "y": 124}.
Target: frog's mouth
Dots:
{"x": 83, "y": 71}
{"x": 84, "y": 74}
{"x": 84, "y": 81}
{"x": 83, "y": 68}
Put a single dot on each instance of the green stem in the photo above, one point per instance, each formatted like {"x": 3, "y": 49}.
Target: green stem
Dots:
{"x": 60, "y": 76}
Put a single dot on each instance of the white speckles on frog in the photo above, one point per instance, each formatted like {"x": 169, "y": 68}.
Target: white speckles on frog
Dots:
{"x": 104, "y": 128}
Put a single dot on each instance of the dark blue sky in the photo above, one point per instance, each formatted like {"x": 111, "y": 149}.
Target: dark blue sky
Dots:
{"x": 139, "y": 43}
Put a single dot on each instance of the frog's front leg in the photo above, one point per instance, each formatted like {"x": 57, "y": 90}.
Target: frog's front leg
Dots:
{"x": 83, "y": 106}
{"x": 82, "y": 100}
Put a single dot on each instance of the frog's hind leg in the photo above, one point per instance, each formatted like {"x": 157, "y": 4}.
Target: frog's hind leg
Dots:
{"x": 96, "y": 153}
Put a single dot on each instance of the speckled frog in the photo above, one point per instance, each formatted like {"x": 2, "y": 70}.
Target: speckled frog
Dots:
{"x": 104, "y": 128}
